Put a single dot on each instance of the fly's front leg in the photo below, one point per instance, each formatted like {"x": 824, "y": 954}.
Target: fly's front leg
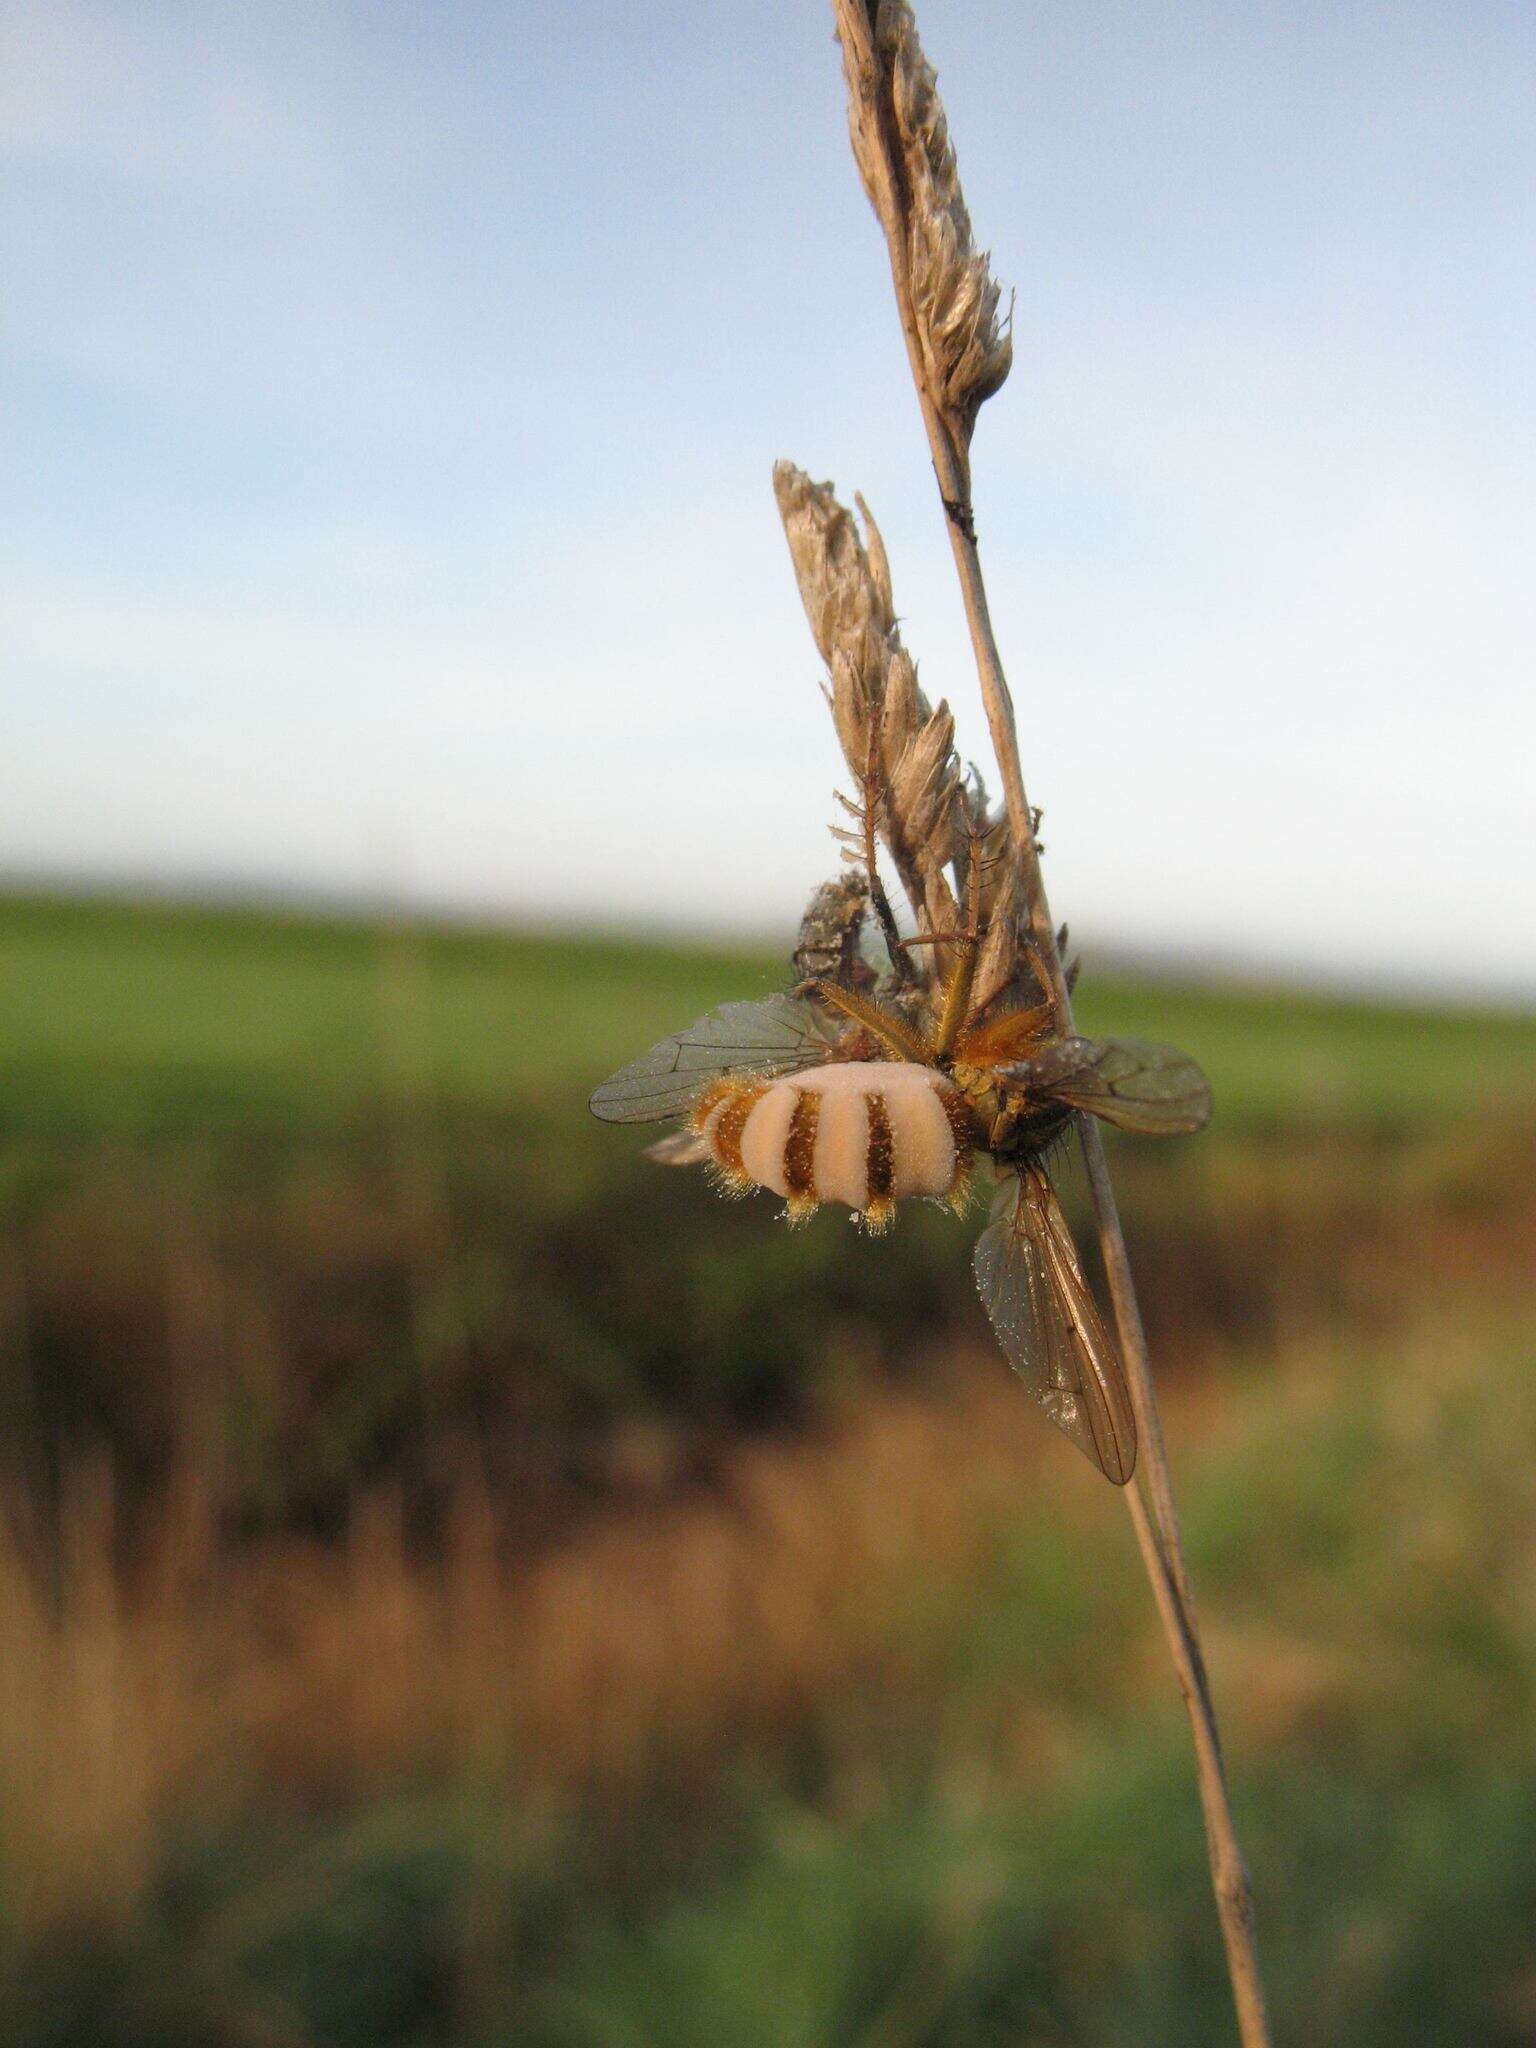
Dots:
{"x": 957, "y": 997}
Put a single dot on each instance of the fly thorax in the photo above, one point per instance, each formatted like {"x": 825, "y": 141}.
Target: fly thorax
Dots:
{"x": 985, "y": 1100}
{"x": 1016, "y": 1123}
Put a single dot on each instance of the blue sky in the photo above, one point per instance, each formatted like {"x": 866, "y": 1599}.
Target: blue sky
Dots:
{"x": 391, "y": 395}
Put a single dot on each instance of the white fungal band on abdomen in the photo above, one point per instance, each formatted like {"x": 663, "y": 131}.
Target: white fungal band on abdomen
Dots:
{"x": 862, "y": 1132}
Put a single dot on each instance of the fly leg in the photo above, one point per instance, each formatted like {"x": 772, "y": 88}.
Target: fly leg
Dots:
{"x": 860, "y": 842}
{"x": 957, "y": 996}
{"x": 1039, "y": 972}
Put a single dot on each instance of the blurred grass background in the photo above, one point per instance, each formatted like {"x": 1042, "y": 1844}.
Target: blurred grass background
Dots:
{"x": 461, "y": 1585}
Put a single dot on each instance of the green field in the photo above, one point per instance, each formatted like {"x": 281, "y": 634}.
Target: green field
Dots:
{"x": 137, "y": 1021}
{"x": 461, "y": 1585}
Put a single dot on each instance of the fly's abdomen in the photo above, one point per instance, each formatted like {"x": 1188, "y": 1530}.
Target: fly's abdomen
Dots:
{"x": 865, "y": 1133}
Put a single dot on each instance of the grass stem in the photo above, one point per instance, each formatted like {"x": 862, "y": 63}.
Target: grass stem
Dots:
{"x": 874, "y": 122}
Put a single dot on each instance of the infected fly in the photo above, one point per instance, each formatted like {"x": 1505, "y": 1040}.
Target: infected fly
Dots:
{"x": 839, "y": 1093}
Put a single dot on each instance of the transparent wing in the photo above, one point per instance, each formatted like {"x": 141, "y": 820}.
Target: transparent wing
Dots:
{"x": 1045, "y": 1072}
{"x": 678, "y": 1148}
{"x": 774, "y": 1037}
{"x": 1032, "y": 1287}
{"x": 1141, "y": 1087}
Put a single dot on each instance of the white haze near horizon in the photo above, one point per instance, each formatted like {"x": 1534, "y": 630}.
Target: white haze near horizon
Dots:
{"x": 392, "y": 394}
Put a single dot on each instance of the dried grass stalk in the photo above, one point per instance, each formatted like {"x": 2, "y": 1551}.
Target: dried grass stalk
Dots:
{"x": 901, "y": 141}
{"x": 925, "y": 812}
{"x": 891, "y": 736}
{"x": 947, "y": 303}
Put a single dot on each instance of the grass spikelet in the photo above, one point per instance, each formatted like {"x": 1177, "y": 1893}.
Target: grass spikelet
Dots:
{"x": 884, "y": 722}
{"x": 896, "y": 121}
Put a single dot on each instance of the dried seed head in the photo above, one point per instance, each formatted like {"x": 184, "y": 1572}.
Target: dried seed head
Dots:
{"x": 847, "y": 604}
{"x": 879, "y": 561}
{"x": 884, "y": 722}
{"x": 924, "y": 785}
{"x": 954, "y": 296}
{"x": 902, "y": 148}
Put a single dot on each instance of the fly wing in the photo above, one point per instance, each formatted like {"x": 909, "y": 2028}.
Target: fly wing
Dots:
{"x": 1047, "y": 1071}
{"x": 775, "y": 1037}
{"x": 1033, "y": 1288}
{"x": 678, "y": 1148}
{"x": 1141, "y": 1087}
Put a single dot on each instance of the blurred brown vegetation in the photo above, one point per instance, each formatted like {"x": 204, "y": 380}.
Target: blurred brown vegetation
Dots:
{"x": 680, "y": 1584}
{"x": 461, "y": 1585}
